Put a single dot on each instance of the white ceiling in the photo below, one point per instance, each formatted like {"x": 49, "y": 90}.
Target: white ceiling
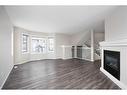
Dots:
{"x": 58, "y": 19}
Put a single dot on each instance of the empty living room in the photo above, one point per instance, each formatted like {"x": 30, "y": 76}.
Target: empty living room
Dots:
{"x": 46, "y": 47}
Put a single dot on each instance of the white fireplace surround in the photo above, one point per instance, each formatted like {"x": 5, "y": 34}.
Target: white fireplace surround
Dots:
{"x": 121, "y": 46}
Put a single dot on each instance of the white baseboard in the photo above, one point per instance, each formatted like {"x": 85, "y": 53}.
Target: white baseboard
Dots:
{"x": 117, "y": 82}
{"x": 87, "y": 59}
{"x": 6, "y": 77}
{"x": 66, "y": 58}
{"x": 22, "y": 62}
{"x": 84, "y": 59}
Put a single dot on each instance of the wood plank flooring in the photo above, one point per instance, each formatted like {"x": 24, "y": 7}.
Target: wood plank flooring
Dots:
{"x": 59, "y": 74}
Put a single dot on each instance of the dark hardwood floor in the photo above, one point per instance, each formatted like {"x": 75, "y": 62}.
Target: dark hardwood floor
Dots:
{"x": 59, "y": 74}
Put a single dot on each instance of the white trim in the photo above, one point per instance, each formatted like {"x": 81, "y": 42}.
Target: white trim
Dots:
{"x": 66, "y": 58}
{"x": 84, "y": 59}
{"x": 66, "y": 46}
{"x": 48, "y": 45}
{"x": 22, "y": 62}
{"x": 117, "y": 82}
{"x": 114, "y": 43}
{"x": 92, "y": 45}
{"x": 7, "y": 76}
{"x": 38, "y": 38}
{"x": 23, "y": 52}
{"x": 87, "y": 59}
{"x": 38, "y": 53}
{"x": 86, "y": 48}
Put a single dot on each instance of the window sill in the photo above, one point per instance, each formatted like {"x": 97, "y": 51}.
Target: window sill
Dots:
{"x": 25, "y": 52}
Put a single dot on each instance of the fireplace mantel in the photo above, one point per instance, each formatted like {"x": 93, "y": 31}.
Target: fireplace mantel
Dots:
{"x": 117, "y": 43}
{"x": 121, "y": 46}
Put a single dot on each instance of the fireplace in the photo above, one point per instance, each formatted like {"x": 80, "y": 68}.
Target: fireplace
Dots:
{"x": 112, "y": 63}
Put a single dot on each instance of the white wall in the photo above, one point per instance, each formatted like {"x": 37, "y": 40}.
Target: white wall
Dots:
{"x": 19, "y": 57}
{"x": 99, "y": 37}
{"x": 116, "y": 33}
{"x": 25, "y": 57}
{"x": 116, "y": 25}
{"x": 6, "y": 53}
{"x": 80, "y": 37}
{"x": 60, "y": 39}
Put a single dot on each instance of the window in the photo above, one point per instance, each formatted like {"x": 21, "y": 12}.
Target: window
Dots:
{"x": 24, "y": 43}
{"x": 50, "y": 44}
{"x": 38, "y": 45}
{"x": 42, "y": 45}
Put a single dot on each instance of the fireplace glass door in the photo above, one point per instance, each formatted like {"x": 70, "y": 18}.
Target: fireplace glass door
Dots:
{"x": 112, "y": 63}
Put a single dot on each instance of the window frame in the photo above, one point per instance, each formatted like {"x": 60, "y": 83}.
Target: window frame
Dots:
{"x": 48, "y": 44}
{"x": 27, "y": 43}
{"x": 39, "y": 38}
